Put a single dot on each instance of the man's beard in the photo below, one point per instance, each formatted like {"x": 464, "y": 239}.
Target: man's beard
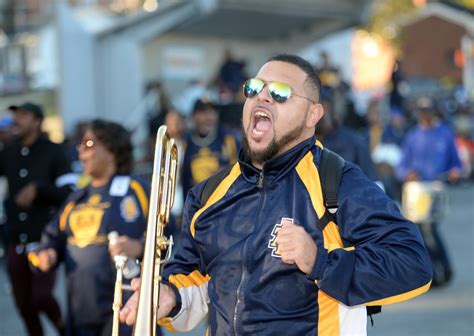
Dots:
{"x": 273, "y": 147}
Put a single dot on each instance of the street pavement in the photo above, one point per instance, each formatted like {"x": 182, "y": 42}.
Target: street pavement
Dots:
{"x": 442, "y": 311}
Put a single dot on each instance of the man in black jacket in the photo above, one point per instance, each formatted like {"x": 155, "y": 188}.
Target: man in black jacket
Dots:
{"x": 39, "y": 180}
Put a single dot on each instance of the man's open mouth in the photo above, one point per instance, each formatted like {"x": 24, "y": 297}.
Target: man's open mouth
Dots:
{"x": 261, "y": 123}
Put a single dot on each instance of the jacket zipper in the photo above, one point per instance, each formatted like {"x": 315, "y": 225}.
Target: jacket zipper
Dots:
{"x": 244, "y": 257}
{"x": 242, "y": 279}
{"x": 260, "y": 180}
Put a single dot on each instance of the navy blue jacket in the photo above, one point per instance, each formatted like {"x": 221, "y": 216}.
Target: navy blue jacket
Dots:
{"x": 227, "y": 261}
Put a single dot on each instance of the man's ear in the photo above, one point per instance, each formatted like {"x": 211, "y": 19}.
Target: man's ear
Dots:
{"x": 315, "y": 113}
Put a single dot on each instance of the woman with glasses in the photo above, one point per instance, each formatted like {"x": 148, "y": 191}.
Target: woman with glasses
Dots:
{"x": 113, "y": 202}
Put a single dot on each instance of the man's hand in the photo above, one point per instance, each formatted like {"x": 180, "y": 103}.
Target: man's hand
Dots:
{"x": 296, "y": 246}
{"x": 47, "y": 259}
{"x": 123, "y": 245}
{"x": 167, "y": 302}
{"x": 25, "y": 197}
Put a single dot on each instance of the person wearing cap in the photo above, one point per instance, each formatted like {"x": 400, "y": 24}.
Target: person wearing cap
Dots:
{"x": 429, "y": 154}
{"x": 39, "y": 180}
{"x": 208, "y": 147}
{"x": 429, "y": 150}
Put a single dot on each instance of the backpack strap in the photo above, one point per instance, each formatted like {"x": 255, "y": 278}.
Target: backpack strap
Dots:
{"x": 212, "y": 183}
{"x": 330, "y": 174}
{"x": 332, "y": 166}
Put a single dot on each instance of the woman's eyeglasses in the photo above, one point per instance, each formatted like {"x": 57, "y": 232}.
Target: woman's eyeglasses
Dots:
{"x": 86, "y": 144}
{"x": 280, "y": 92}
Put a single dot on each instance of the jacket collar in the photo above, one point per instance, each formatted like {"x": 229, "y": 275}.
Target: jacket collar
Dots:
{"x": 88, "y": 189}
{"x": 277, "y": 167}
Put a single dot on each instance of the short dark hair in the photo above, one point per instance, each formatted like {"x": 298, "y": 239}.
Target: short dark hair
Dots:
{"x": 313, "y": 78}
{"x": 117, "y": 140}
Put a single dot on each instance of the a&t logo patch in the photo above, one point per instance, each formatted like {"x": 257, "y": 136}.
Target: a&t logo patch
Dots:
{"x": 272, "y": 243}
{"x": 129, "y": 209}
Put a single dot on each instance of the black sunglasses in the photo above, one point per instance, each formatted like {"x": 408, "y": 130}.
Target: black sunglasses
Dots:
{"x": 280, "y": 92}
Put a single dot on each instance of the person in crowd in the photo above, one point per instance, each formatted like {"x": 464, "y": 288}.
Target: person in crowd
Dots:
{"x": 328, "y": 73}
{"x": 39, "y": 179}
{"x": 253, "y": 256}
{"x": 348, "y": 143}
{"x": 429, "y": 154}
{"x": 208, "y": 147}
{"x": 395, "y": 130}
{"x": 397, "y": 83}
{"x": 231, "y": 76}
{"x": 374, "y": 129}
{"x": 114, "y": 201}
{"x": 342, "y": 104}
{"x": 429, "y": 150}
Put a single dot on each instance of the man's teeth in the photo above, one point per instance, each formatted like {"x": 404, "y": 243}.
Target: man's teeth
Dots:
{"x": 261, "y": 114}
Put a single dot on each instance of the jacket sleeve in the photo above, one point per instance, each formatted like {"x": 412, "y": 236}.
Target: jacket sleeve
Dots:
{"x": 383, "y": 259}
{"x": 186, "y": 273}
{"x": 63, "y": 180}
{"x": 54, "y": 234}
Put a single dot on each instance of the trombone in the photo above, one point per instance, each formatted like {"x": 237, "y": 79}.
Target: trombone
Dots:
{"x": 157, "y": 245}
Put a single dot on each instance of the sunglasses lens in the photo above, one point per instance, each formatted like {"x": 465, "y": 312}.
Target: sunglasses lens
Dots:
{"x": 252, "y": 87}
{"x": 280, "y": 92}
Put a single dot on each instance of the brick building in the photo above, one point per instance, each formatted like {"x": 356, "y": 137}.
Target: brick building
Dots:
{"x": 437, "y": 42}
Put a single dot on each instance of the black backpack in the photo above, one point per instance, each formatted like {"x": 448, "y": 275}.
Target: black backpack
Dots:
{"x": 330, "y": 173}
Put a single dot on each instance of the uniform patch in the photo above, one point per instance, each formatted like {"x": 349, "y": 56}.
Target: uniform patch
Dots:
{"x": 129, "y": 209}
{"x": 272, "y": 243}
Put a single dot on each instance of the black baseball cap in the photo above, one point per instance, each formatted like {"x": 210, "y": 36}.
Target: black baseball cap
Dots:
{"x": 30, "y": 107}
{"x": 202, "y": 105}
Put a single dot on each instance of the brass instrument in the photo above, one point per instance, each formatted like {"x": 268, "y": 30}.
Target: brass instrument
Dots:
{"x": 157, "y": 245}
